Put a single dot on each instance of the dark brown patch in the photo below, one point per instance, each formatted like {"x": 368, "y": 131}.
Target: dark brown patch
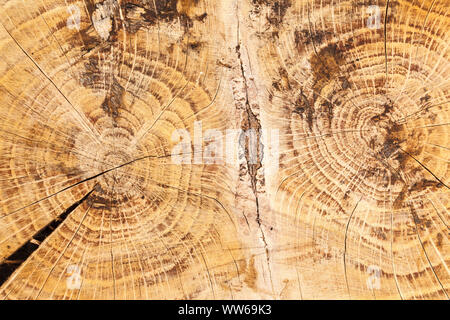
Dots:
{"x": 284, "y": 79}
{"x": 425, "y": 99}
{"x": 224, "y": 64}
{"x": 424, "y": 184}
{"x": 138, "y": 14}
{"x": 89, "y": 40}
{"x": 325, "y": 65}
{"x": 92, "y": 74}
{"x": 100, "y": 200}
{"x": 195, "y": 45}
{"x": 304, "y": 37}
{"x": 114, "y": 99}
{"x": 346, "y": 194}
{"x": 147, "y": 13}
{"x": 202, "y": 17}
{"x": 399, "y": 201}
{"x": 277, "y": 9}
{"x": 380, "y": 233}
{"x": 304, "y": 109}
{"x": 389, "y": 147}
{"x": 384, "y": 115}
{"x": 421, "y": 223}
{"x": 439, "y": 239}
{"x": 345, "y": 83}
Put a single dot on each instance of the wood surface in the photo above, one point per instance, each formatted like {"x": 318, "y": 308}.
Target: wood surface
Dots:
{"x": 345, "y": 195}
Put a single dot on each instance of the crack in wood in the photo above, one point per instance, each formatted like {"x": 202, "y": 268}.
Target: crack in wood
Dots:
{"x": 22, "y": 254}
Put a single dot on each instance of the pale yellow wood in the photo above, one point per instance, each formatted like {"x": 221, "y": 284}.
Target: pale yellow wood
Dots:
{"x": 349, "y": 202}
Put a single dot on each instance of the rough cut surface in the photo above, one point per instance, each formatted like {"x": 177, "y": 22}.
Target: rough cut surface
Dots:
{"x": 351, "y": 201}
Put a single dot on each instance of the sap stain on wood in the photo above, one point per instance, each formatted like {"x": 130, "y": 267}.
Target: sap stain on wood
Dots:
{"x": 277, "y": 9}
{"x": 148, "y": 13}
{"x": 114, "y": 99}
{"x": 325, "y": 65}
{"x": 304, "y": 108}
{"x": 304, "y": 37}
{"x": 108, "y": 18}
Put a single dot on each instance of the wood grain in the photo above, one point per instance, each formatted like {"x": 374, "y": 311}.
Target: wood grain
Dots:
{"x": 347, "y": 196}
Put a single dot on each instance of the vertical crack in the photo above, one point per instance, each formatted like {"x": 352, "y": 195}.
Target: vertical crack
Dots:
{"x": 254, "y": 162}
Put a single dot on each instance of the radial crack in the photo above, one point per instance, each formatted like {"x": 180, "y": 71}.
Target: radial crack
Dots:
{"x": 15, "y": 260}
